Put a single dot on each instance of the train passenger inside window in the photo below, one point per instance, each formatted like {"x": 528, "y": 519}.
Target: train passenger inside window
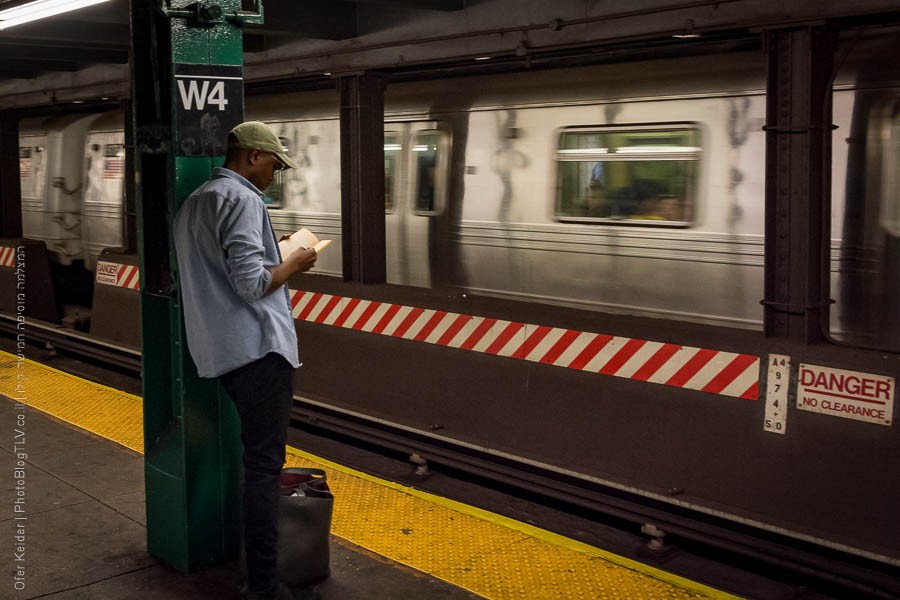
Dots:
{"x": 391, "y": 155}
{"x": 635, "y": 175}
{"x": 596, "y": 195}
{"x": 426, "y": 153}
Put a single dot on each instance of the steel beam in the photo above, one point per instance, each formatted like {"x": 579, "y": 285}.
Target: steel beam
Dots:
{"x": 315, "y": 19}
{"x": 362, "y": 178}
{"x": 130, "y": 214}
{"x": 10, "y": 190}
{"x": 798, "y": 167}
{"x": 12, "y": 50}
{"x": 445, "y": 5}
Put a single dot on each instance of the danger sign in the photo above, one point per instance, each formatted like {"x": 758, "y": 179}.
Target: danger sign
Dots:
{"x": 107, "y": 273}
{"x": 848, "y": 394}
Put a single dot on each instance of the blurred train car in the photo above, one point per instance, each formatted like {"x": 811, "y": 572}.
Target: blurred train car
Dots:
{"x": 614, "y": 188}
{"x": 54, "y": 207}
{"x": 561, "y": 197}
{"x": 603, "y": 188}
{"x": 50, "y": 172}
{"x": 103, "y": 204}
{"x": 611, "y": 188}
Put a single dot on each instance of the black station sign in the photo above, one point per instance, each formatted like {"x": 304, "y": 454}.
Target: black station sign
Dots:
{"x": 209, "y": 102}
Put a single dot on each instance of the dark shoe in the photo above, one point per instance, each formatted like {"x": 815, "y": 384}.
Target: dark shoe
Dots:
{"x": 284, "y": 593}
{"x": 306, "y": 593}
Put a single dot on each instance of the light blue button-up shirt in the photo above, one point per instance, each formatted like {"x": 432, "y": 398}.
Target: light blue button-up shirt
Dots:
{"x": 224, "y": 241}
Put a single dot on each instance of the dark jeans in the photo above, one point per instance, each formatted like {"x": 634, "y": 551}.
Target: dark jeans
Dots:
{"x": 262, "y": 391}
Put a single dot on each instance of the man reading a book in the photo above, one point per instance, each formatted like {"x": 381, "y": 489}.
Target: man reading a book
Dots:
{"x": 240, "y": 330}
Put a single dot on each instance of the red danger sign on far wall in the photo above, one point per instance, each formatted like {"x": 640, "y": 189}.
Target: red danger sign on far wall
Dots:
{"x": 848, "y": 394}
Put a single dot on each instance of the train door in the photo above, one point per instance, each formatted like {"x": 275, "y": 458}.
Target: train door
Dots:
{"x": 50, "y": 172}
{"x": 32, "y": 178}
{"x": 103, "y": 207}
{"x": 889, "y": 327}
{"x": 416, "y": 162}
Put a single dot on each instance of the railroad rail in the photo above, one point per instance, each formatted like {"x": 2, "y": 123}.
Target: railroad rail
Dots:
{"x": 82, "y": 345}
{"x": 665, "y": 520}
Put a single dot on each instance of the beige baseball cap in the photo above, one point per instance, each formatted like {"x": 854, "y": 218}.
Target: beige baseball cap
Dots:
{"x": 256, "y": 134}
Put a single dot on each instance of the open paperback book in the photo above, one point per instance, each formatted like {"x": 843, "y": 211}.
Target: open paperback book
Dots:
{"x": 301, "y": 239}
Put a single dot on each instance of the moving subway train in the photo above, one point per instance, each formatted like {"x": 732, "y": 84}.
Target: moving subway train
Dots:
{"x": 614, "y": 188}
{"x": 585, "y": 245}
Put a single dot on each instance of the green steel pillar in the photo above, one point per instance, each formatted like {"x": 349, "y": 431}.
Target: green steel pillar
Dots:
{"x": 187, "y": 94}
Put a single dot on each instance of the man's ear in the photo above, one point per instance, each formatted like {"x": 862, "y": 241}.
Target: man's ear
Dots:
{"x": 253, "y": 156}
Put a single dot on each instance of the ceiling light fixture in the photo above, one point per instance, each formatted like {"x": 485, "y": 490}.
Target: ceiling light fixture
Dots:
{"x": 688, "y": 33}
{"x": 40, "y": 9}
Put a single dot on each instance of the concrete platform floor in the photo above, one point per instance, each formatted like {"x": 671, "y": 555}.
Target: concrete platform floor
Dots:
{"x": 84, "y": 532}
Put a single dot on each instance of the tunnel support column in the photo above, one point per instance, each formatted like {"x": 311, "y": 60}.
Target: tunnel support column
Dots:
{"x": 130, "y": 225}
{"x": 798, "y": 163}
{"x": 362, "y": 178}
{"x": 10, "y": 192}
{"x": 188, "y": 93}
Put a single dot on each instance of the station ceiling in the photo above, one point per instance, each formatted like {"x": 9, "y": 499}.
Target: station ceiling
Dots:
{"x": 86, "y": 52}
{"x": 100, "y": 34}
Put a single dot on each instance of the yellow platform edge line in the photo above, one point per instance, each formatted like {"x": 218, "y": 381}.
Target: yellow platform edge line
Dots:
{"x": 454, "y": 583}
{"x": 500, "y": 520}
{"x": 536, "y": 532}
{"x": 76, "y": 378}
{"x": 81, "y": 381}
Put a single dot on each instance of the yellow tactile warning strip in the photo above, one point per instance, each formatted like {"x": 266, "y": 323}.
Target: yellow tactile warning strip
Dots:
{"x": 485, "y": 553}
{"x": 102, "y": 410}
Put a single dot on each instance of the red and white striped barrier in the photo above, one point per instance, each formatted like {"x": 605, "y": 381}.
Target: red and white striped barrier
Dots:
{"x": 713, "y": 371}
{"x": 117, "y": 274}
{"x": 7, "y": 257}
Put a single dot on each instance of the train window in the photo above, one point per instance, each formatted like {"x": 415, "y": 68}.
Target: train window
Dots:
{"x": 114, "y": 150}
{"x": 274, "y": 194}
{"x": 113, "y": 161}
{"x": 640, "y": 175}
{"x": 429, "y": 156}
{"x": 25, "y": 162}
{"x": 31, "y": 171}
{"x": 391, "y": 155}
